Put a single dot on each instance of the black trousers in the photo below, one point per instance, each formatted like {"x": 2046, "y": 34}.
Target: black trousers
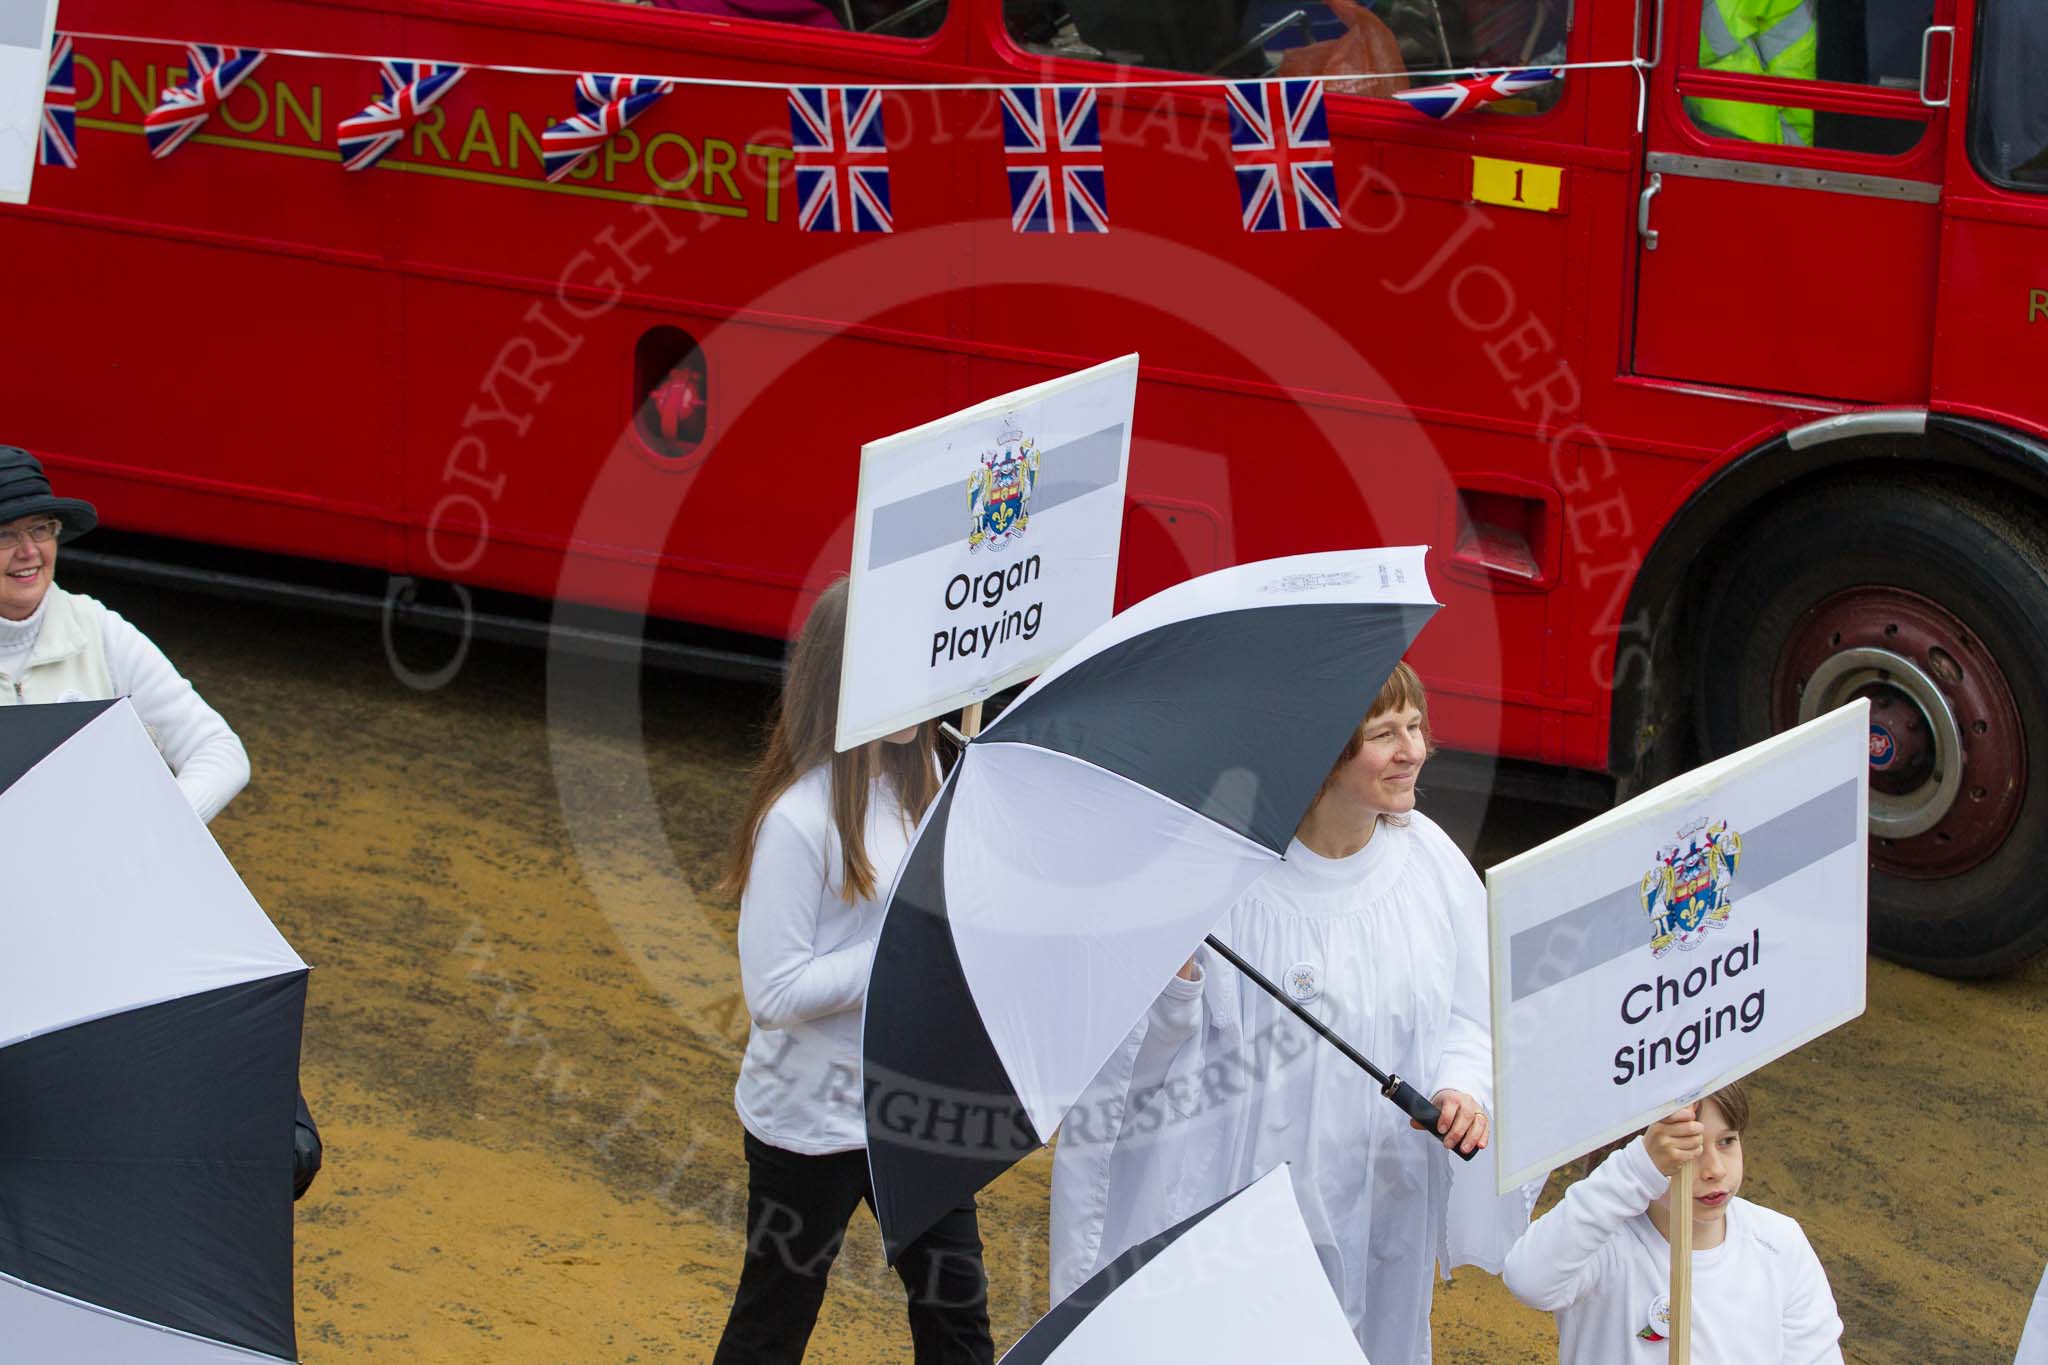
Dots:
{"x": 797, "y": 1211}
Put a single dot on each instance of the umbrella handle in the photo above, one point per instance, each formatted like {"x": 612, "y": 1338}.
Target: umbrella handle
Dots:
{"x": 1412, "y": 1101}
{"x": 1417, "y": 1106}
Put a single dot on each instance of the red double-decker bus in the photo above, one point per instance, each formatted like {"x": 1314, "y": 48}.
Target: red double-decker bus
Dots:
{"x": 1712, "y": 370}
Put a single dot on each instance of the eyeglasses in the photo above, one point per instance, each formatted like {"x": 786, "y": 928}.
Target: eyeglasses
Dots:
{"x": 42, "y": 533}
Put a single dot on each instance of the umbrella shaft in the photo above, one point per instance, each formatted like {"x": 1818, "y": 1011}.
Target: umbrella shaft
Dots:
{"x": 1301, "y": 1013}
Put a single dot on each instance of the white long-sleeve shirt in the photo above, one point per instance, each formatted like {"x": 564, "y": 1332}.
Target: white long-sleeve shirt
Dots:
{"x": 40, "y": 661}
{"x": 1220, "y": 1084}
{"x": 804, "y": 960}
{"x": 1599, "y": 1263}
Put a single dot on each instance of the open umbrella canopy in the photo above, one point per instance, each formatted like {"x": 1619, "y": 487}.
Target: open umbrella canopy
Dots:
{"x": 149, "y": 1048}
{"x": 1086, "y": 842}
{"x": 1238, "y": 1281}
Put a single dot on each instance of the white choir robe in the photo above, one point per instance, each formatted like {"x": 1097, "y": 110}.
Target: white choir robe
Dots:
{"x": 1219, "y": 1084}
{"x": 2034, "y": 1336}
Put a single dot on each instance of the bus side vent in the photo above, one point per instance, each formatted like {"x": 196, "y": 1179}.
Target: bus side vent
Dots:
{"x": 1505, "y": 537}
{"x": 671, "y": 392}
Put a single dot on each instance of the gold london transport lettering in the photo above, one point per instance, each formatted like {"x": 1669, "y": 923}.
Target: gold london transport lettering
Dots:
{"x": 483, "y": 145}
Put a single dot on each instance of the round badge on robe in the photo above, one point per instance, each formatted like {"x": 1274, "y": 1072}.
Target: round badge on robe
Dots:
{"x": 1304, "y": 982}
{"x": 1659, "y": 1325}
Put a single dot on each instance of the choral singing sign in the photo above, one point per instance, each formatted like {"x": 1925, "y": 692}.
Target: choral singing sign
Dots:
{"x": 25, "y": 30}
{"x": 1678, "y": 942}
{"x": 984, "y": 544}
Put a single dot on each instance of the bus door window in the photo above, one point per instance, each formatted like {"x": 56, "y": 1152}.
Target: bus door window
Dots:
{"x": 1792, "y": 196}
{"x": 1851, "y": 42}
{"x": 2009, "y": 116}
{"x": 1375, "y": 44}
{"x": 1992, "y": 344}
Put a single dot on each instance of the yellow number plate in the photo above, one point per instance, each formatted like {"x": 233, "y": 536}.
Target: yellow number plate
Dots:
{"x": 1517, "y": 184}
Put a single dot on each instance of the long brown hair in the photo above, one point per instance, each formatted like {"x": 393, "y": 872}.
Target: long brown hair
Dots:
{"x": 800, "y": 737}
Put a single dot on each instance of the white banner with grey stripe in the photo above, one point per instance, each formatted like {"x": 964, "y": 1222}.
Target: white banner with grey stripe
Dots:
{"x": 984, "y": 544}
{"x": 25, "y": 31}
{"x": 1679, "y": 942}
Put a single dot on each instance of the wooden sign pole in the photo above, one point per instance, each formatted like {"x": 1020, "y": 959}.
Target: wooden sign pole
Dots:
{"x": 1681, "y": 1266}
{"x": 970, "y": 719}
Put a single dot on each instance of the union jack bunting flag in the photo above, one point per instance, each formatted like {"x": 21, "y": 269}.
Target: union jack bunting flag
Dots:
{"x": 1457, "y": 97}
{"x": 183, "y": 109}
{"x": 410, "y": 89}
{"x": 1052, "y": 150}
{"x": 842, "y": 159}
{"x": 1280, "y": 145}
{"x": 59, "y": 146}
{"x": 604, "y": 105}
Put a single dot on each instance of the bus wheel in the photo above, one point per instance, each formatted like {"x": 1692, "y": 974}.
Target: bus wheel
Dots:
{"x": 1929, "y": 603}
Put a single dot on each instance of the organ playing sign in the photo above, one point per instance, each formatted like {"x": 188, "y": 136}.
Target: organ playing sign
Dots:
{"x": 984, "y": 544}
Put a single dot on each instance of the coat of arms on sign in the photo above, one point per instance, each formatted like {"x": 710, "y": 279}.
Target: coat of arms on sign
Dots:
{"x": 1687, "y": 894}
{"x": 999, "y": 492}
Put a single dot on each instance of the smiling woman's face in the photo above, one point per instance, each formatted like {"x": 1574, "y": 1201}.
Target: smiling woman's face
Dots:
{"x": 1382, "y": 777}
{"x": 27, "y": 568}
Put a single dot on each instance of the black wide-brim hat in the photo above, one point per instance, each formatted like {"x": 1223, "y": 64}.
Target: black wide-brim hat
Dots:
{"x": 25, "y": 491}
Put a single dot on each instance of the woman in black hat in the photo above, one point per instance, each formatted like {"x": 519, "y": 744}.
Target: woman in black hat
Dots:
{"x": 59, "y": 646}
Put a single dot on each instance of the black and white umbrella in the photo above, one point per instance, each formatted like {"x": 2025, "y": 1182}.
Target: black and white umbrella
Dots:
{"x": 1238, "y": 1281}
{"x": 149, "y": 1049}
{"x": 1088, "y": 840}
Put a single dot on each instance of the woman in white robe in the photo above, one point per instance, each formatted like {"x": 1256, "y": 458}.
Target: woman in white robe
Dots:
{"x": 1376, "y": 923}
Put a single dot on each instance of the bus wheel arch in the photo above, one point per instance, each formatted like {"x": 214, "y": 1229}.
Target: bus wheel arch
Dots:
{"x": 1900, "y": 565}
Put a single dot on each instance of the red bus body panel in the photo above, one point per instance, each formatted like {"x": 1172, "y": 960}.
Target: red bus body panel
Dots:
{"x": 428, "y": 368}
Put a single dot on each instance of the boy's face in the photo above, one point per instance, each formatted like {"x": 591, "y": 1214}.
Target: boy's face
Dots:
{"x": 1717, "y": 1174}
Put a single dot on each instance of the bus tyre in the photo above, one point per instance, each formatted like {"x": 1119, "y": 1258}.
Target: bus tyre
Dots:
{"x": 1929, "y": 602}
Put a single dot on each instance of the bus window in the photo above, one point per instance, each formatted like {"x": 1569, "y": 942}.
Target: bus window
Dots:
{"x": 1384, "y": 39}
{"x": 2009, "y": 126}
{"x": 1439, "y": 35}
{"x": 901, "y": 18}
{"x": 1856, "y": 42}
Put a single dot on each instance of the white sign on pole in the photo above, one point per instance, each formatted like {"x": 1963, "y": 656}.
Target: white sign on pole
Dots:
{"x": 984, "y": 544}
{"x": 25, "y": 29}
{"x": 1678, "y": 942}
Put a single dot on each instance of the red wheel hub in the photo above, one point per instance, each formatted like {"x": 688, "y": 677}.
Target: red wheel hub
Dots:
{"x": 1947, "y": 755}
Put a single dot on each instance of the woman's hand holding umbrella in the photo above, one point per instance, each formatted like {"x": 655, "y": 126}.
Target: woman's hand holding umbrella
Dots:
{"x": 1462, "y": 1123}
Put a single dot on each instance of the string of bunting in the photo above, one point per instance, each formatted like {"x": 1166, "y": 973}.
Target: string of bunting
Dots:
{"x": 410, "y": 90}
{"x": 604, "y": 105}
{"x": 1161, "y": 81}
{"x": 59, "y": 144}
{"x": 1052, "y": 145}
{"x": 184, "y": 108}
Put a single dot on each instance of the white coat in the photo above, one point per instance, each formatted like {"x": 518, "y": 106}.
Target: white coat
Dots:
{"x": 84, "y": 651}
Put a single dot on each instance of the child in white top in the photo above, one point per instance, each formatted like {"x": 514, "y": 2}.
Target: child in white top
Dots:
{"x": 1601, "y": 1260}
{"x": 819, "y": 846}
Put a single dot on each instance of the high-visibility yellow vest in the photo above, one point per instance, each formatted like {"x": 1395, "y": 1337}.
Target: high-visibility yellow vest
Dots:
{"x": 1759, "y": 38}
